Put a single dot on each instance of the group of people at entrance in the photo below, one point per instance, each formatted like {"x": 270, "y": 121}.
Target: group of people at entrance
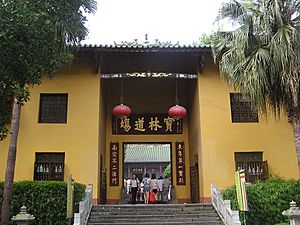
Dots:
{"x": 149, "y": 190}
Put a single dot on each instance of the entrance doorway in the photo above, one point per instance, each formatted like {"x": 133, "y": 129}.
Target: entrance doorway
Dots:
{"x": 140, "y": 159}
{"x": 151, "y": 158}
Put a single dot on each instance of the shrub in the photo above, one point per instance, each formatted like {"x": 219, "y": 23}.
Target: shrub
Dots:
{"x": 46, "y": 200}
{"x": 267, "y": 200}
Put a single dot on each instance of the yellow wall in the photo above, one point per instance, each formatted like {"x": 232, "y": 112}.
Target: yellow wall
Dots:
{"x": 78, "y": 138}
{"x": 195, "y": 133}
{"x": 102, "y": 134}
{"x": 221, "y": 138}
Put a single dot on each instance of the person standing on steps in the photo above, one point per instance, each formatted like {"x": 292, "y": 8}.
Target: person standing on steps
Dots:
{"x": 134, "y": 188}
{"x": 128, "y": 185}
{"x": 160, "y": 189}
{"x": 166, "y": 186}
{"x": 146, "y": 190}
{"x": 154, "y": 185}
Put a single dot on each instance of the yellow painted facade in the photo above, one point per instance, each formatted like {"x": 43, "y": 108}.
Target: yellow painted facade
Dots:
{"x": 220, "y": 138}
{"x": 209, "y": 135}
{"x": 78, "y": 138}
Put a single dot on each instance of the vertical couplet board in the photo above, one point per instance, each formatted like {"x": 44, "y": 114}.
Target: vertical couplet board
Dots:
{"x": 114, "y": 164}
{"x": 180, "y": 163}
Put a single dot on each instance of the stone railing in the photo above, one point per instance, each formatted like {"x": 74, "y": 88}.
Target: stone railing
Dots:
{"x": 85, "y": 207}
{"x": 223, "y": 207}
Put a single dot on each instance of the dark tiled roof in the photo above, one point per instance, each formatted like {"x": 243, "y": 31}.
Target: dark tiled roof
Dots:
{"x": 133, "y": 46}
{"x": 147, "y": 153}
{"x": 147, "y": 46}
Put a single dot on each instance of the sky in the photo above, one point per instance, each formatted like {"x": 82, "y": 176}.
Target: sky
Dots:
{"x": 165, "y": 20}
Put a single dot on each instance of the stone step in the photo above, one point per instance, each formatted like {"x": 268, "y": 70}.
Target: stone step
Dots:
{"x": 156, "y": 214}
{"x": 149, "y": 214}
{"x": 151, "y": 207}
{"x": 153, "y": 220}
{"x": 163, "y": 223}
{"x": 161, "y": 213}
{"x": 156, "y": 205}
{"x": 149, "y": 211}
{"x": 151, "y": 217}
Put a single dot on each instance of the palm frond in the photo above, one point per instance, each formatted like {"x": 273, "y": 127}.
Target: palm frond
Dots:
{"x": 261, "y": 57}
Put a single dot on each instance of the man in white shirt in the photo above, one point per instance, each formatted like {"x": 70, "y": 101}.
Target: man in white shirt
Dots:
{"x": 128, "y": 185}
{"x": 134, "y": 188}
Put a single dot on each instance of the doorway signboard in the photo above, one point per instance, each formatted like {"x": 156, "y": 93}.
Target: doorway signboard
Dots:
{"x": 146, "y": 124}
{"x": 114, "y": 164}
{"x": 180, "y": 163}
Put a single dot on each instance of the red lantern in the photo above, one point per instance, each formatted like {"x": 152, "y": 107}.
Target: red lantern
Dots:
{"x": 177, "y": 112}
{"x": 121, "y": 111}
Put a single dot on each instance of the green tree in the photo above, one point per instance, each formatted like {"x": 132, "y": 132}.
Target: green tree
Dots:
{"x": 5, "y": 109}
{"x": 260, "y": 57}
{"x": 36, "y": 38}
{"x": 167, "y": 171}
{"x": 207, "y": 39}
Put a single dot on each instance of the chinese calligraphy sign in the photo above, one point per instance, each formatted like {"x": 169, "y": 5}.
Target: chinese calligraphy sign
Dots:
{"x": 114, "y": 164}
{"x": 146, "y": 124}
{"x": 180, "y": 163}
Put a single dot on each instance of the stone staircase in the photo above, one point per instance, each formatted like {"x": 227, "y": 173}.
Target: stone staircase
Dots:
{"x": 154, "y": 214}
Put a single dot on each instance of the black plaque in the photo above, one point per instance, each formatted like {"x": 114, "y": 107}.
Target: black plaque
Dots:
{"x": 146, "y": 124}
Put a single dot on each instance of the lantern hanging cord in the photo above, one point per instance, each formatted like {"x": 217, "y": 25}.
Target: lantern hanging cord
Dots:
{"x": 176, "y": 93}
{"x": 122, "y": 91}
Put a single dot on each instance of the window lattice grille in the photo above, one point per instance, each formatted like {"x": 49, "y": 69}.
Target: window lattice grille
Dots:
{"x": 49, "y": 166}
{"x": 53, "y": 108}
{"x": 253, "y": 165}
{"x": 241, "y": 109}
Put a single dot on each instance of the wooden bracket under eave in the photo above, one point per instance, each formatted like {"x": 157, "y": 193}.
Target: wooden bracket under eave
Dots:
{"x": 200, "y": 63}
{"x": 98, "y": 63}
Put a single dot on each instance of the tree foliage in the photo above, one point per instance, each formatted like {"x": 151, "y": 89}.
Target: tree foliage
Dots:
{"x": 5, "y": 109}
{"x": 207, "y": 38}
{"x": 167, "y": 171}
{"x": 261, "y": 56}
{"x": 36, "y": 38}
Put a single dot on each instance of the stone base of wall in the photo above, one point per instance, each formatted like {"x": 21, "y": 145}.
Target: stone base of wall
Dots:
{"x": 112, "y": 201}
{"x": 205, "y": 199}
{"x": 183, "y": 200}
{"x": 96, "y": 201}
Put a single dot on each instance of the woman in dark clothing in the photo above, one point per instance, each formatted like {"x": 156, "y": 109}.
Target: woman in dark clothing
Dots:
{"x": 154, "y": 185}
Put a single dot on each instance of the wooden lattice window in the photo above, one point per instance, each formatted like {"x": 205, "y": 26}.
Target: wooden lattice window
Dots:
{"x": 252, "y": 163}
{"x": 53, "y": 108}
{"x": 248, "y": 156}
{"x": 49, "y": 166}
{"x": 241, "y": 109}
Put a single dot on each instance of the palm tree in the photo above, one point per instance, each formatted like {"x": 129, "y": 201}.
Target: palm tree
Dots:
{"x": 260, "y": 57}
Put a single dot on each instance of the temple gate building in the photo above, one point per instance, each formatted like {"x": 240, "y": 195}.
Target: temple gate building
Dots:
{"x": 68, "y": 126}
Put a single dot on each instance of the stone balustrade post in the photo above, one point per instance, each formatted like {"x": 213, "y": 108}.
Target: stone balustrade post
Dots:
{"x": 22, "y": 218}
{"x": 293, "y": 213}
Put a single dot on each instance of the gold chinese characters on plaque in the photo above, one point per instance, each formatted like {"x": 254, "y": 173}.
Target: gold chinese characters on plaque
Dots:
{"x": 146, "y": 124}
{"x": 114, "y": 164}
{"x": 180, "y": 163}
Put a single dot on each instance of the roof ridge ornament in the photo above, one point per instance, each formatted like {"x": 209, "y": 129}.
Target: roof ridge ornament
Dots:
{"x": 148, "y": 74}
{"x": 147, "y": 44}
